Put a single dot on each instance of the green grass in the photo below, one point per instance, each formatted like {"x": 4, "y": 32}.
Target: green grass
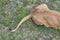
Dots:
{"x": 21, "y": 12}
{"x": 4, "y": 2}
{"x": 9, "y": 18}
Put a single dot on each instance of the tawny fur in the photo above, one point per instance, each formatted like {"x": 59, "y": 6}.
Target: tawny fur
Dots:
{"x": 42, "y": 15}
